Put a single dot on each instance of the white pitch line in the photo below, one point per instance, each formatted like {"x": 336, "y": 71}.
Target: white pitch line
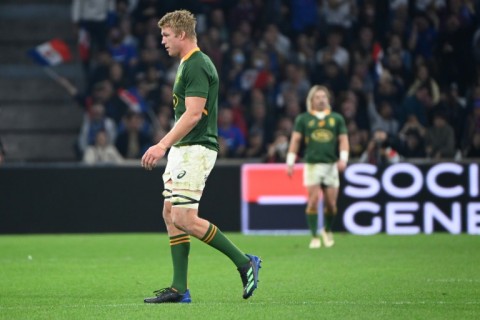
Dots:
{"x": 345, "y": 302}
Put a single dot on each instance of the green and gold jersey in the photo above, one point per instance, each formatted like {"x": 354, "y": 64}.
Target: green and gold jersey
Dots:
{"x": 197, "y": 77}
{"x": 320, "y": 136}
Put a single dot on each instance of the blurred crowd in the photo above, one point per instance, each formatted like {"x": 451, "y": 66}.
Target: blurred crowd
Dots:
{"x": 404, "y": 74}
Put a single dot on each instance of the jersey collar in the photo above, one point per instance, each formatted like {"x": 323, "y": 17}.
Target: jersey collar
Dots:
{"x": 189, "y": 54}
{"x": 326, "y": 112}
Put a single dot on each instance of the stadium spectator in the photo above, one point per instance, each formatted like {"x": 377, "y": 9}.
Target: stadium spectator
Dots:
{"x": 132, "y": 141}
{"x": 102, "y": 152}
{"x": 334, "y": 51}
{"x": 231, "y": 134}
{"x": 93, "y": 122}
{"x": 117, "y": 76}
{"x": 411, "y": 145}
{"x": 473, "y": 150}
{"x": 339, "y": 14}
{"x": 165, "y": 118}
{"x": 91, "y": 22}
{"x": 259, "y": 119}
{"x": 258, "y": 74}
{"x": 453, "y": 59}
{"x": 423, "y": 78}
{"x": 295, "y": 80}
{"x": 277, "y": 150}
{"x": 255, "y": 145}
{"x": 379, "y": 150}
{"x": 349, "y": 109}
{"x": 103, "y": 93}
{"x": 361, "y": 80}
{"x": 396, "y": 47}
{"x": 234, "y": 69}
{"x": 440, "y": 139}
{"x": 455, "y": 109}
{"x": 382, "y": 118}
{"x": 125, "y": 28}
{"x": 358, "y": 140}
{"x": 417, "y": 104}
{"x": 304, "y": 52}
{"x": 473, "y": 120}
{"x": 331, "y": 75}
{"x": 217, "y": 20}
{"x": 100, "y": 68}
{"x": 387, "y": 89}
{"x": 122, "y": 51}
{"x": 211, "y": 44}
{"x": 277, "y": 46}
{"x": 234, "y": 103}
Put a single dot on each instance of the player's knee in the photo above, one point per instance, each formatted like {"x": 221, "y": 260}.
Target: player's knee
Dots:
{"x": 331, "y": 208}
{"x": 183, "y": 221}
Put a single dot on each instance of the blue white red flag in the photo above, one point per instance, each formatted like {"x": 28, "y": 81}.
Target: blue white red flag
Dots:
{"x": 130, "y": 100}
{"x": 51, "y": 53}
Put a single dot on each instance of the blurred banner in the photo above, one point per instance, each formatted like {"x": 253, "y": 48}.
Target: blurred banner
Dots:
{"x": 401, "y": 199}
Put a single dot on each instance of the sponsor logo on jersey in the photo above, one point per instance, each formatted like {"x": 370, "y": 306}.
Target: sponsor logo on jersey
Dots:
{"x": 322, "y": 135}
{"x": 175, "y": 100}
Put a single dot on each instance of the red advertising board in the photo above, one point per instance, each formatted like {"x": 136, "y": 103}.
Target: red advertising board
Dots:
{"x": 273, "y": 202}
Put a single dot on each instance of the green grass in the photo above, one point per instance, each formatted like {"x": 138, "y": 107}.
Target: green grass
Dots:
{"x": 376, "y": 277}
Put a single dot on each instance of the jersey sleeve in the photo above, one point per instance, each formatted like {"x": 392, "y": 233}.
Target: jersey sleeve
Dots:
{"x": 196, "y": 80}
{"x": 299, "y": 125}
{"x": 342, "y": 127}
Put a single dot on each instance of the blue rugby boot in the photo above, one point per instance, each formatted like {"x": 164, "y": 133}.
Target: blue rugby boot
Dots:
{"x": 169, "y": 295}
{"x": 249, "y": 275}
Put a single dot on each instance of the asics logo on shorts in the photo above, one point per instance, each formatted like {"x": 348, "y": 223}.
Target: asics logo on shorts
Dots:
{"x": 181, "y": 174}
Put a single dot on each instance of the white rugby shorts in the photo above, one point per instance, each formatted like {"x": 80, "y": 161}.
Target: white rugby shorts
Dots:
{"x": 188, "y": 167}
{"x": 324, "y": 174}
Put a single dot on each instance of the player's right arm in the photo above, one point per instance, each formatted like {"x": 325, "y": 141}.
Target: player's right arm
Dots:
{"x": 293, "y": 148}
{"x": 188, "y": 120}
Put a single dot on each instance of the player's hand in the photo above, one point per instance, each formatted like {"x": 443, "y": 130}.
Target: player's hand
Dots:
{"x": 152, "y": 155}
{"x": 290, "y": 171}
{"x": 341, "y": 165}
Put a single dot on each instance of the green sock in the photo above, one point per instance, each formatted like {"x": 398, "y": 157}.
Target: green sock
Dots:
{"x": 215, "y": 238}
{"x": 312, "y": 222}
{"x": 328, "y": 218}
{"x": 180, "y": 248}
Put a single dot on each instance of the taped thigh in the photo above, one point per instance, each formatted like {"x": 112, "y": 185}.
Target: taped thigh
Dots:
{"x": 167, "y": 191}
{"x": 185, "y": 198}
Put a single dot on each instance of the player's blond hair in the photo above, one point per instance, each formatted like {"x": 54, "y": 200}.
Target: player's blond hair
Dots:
{"x": 314, "y": 90}
{"x": 180, "y": 21}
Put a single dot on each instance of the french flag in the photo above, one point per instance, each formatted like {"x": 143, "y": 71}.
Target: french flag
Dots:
{"x": 51, "y": 53}
{"x": 130, "y": 100}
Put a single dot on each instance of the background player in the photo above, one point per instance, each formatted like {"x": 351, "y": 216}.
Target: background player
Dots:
{"x": 325, "y": 135}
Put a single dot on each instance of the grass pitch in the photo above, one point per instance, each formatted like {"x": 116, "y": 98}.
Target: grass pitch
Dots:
{"x": 376, "y": 277}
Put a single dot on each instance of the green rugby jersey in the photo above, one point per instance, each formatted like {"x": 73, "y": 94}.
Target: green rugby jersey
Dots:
{"x": 320, "y": 136}
{"x": 197, "y": 77}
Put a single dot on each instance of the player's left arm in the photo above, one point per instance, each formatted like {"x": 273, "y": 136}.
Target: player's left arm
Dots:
{"x": 344, "y": 151}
